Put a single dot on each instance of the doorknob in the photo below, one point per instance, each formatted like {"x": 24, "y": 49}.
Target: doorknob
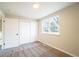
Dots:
{"x": 17, "y": 34}
{"x": 3, "y": 43}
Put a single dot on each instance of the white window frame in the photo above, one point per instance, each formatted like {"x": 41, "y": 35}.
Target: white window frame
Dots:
{"x": 49, "y": 20}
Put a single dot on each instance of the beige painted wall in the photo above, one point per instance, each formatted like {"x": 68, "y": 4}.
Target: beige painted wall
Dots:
{"x": 0, "y": 25}
{"x": 68, "y": 40}
{"x": 0, "y": 31}
{"x": 1, "y": 13}
{"x": 1, "y": 16}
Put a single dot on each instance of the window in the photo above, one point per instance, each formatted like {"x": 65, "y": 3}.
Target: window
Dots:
{"x": 51, "y": 25}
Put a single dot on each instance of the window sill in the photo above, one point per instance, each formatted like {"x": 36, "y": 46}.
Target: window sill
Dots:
{"x": 54, "y": 33}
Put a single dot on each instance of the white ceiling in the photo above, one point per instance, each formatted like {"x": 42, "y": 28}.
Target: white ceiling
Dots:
{"x": 25, "y": 9}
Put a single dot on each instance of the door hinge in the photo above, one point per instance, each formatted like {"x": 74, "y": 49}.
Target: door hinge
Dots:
{"x": 3, "y": 20}
{"x": 3, "y": 43}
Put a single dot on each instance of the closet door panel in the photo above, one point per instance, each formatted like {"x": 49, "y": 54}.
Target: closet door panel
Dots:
{"x": 28, "y": 31}
{"x": 24, "y": 32}
{"x": 11, "y": 33}
{"x": 33, "y": 31}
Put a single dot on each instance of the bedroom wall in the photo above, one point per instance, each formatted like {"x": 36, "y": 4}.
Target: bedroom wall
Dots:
{"x": 1, "y": 16}
{"x": 1, "y": 13}
{"x": 68, "y": 40}
{"x": 0, "y": 25}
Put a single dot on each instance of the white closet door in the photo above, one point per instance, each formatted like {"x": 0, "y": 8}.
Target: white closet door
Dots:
{"x": 33, "y": 27}
{"x": 28, "y": 32}
{"x": 11, "y": 33}
{"x": 24, "y": 32}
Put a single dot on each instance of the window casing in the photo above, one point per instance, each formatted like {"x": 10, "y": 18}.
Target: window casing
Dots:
{"x": 51, "y": 25}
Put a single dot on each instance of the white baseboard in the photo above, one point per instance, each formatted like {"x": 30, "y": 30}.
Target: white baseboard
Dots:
{"x": 60, "y": 49}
